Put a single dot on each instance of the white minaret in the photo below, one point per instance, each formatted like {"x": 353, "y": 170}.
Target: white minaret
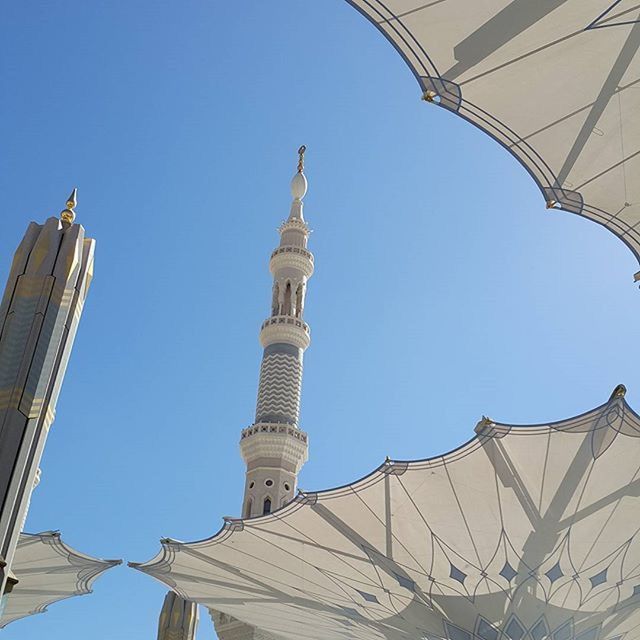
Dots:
{"x": 273, "y": 447}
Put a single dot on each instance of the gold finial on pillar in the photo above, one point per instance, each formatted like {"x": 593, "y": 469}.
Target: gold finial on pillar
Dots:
{"x": 301, "y": 151}
{"x": 68, "y": 215}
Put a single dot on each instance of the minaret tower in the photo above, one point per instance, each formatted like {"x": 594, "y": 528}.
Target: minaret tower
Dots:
{"x": 273, "y": 447}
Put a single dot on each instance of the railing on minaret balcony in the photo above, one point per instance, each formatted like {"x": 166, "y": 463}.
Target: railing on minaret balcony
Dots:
{"x": 287, "y": 320}
{"x": 291, "y": 249}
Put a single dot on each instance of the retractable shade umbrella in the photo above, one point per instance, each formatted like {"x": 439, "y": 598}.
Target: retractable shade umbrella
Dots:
{"x": 48, "y": 571}
{"x": 523, "y": 533}
{"x": 555, "y": 82}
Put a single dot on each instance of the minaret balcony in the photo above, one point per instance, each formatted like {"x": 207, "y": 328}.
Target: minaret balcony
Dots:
{"x": 285, "y": 329}
{"x": 290, "y": 249}
{"x": 294, "y": 224}
{"x": 290, "y": 256}
{"x": 273, "y": 441}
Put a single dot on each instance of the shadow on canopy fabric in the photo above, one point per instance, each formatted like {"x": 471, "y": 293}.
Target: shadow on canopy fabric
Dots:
{"x": 523, "y": 533}
{"x": 48, "y": 571}
{"x": 556, "y": 82}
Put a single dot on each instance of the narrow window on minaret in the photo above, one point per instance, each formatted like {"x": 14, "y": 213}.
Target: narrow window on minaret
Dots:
{"x": 266, "y": 508}
{"x": 287, "y": 300}
{"x": 247, "y": 509}
{"x": 299, "y": 301}
{"x": 275, "y": 303}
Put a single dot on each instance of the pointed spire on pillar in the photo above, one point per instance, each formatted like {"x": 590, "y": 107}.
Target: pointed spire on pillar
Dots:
{"x": 68, "y": 215}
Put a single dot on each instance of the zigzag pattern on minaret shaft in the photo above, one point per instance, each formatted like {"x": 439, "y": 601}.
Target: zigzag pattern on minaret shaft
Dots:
{"x": 279, "y": 389}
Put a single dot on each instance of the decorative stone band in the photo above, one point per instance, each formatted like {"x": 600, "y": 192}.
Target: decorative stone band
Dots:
{"x": 298, "y": 250}
{"x": 285, "y": 329}
{"x": 270, "y": 441}
{"x": 276, "y": 464}
{"x": 294, "y": 224}
{"x": 280, "y": 385}
{"x": 292, "y": 257}
{"x": 274, "y": 427}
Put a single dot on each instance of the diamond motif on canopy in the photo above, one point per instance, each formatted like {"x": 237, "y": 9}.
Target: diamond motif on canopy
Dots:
{"x": 598, "y": 578}
{"x": 554, "y": 573}
{"x": 508, "y": 572}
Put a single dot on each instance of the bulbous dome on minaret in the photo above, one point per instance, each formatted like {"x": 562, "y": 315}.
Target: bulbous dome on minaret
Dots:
{"x": 298, "y": 189}
{"x": 299, "y": 186}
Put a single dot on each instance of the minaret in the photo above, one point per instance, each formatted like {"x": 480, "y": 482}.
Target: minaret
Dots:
{"x": 273, "y": 447}
{"x": 39, "y": 314}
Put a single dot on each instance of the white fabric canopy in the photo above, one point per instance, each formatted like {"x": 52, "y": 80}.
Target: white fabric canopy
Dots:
{"x": 523, "y": 533}
{"x": 556, "y": 82}
{"x": 48, "y": 571}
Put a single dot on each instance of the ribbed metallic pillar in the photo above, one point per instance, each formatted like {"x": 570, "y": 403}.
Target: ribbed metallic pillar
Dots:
{"x": 178, "y": 618}
{"x": 42, "y": 304}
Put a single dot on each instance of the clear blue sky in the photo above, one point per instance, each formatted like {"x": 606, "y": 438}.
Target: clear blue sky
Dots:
{"x": 443, "y": 288}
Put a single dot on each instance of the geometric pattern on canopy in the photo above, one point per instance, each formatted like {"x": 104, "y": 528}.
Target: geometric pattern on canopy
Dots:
{"x": 555, "y": 82}
{"x": 523, "y": 533}
{"x": 48, "y": 571}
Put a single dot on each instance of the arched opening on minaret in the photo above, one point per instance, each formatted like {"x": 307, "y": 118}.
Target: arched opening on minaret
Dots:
{"x": 266, "y": 506}
{"x": 247, "y": 508}
{"x": 299, "y": 301}
{"x": 287, "y": 300}
{"x": 275, "y": 303}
